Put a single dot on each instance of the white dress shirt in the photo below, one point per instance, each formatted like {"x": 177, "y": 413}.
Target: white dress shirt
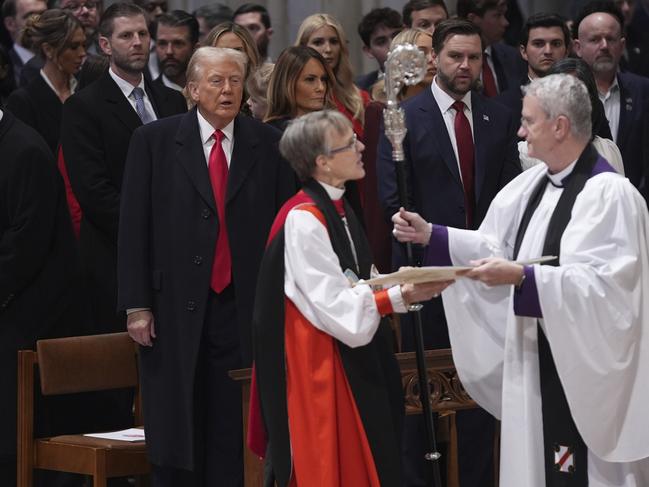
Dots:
{"x": 445, "y": 102}
{"x": 170, "y": 84}
{"x": 73, "y": 84}
{"x": 127, "y": 89}
{"x": 612, "y": 107}
{"x": 206, "y": 133}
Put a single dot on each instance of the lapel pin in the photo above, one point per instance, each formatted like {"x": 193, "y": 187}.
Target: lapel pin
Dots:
{"x": 485, "y": 118}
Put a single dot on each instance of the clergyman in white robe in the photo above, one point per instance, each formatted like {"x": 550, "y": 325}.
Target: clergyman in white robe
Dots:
{"x": 595, "y": 309}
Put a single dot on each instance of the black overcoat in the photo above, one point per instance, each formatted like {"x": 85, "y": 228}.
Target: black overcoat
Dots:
{"x": 167, "y": 235}
{"x": 97, "y": 125}
{"x": 38, "y": 259}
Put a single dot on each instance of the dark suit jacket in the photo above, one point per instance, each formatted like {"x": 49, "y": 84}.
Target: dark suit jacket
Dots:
{"x": 634, "y": 114}
{"x": 366, "y": 81}
{"x": 508, "y": 64}
{"x": 31, "y": 70}
{"x": 433, "y": 177}
{"x": 97, "y": 125}
{"x": 168, "y": 230}
{"x": 17, "y": 64}
{"x": 40, "y": 108}
{"x": 38, "y": 258}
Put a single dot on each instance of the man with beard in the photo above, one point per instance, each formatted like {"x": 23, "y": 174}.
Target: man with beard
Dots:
{"x": 600, "y": 42}
{"x": 153, "y": 9}
{"x": 96, "y": 129}
{"x": 176, "y": 40}
{"x": 255, "y": 18}
{"x": 544, "y": 40}
{"x": 460, "y": 151}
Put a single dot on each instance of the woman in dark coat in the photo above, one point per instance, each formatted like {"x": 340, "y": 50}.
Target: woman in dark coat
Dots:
{"x": 60, "y": 39}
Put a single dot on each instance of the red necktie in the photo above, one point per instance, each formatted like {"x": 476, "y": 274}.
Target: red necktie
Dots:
{"x": 218, "y": 169}
{"x": 340, "y": 207}
{"x": 465, "y": 152}
{"x": 489, "y": 88}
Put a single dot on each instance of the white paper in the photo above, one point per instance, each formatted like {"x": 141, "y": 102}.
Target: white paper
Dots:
{"x": 417, "y": 275}
{"x": 131, "y": 434}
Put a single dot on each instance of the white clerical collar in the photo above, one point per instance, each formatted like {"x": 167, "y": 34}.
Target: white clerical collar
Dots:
{"x": 333, "y": 192}
{"x": 557, "y": 178}
{"x": 444, "y": 100}
{"x": 207, "y": 130}
{"x": 73, "y": 83}
{"x": 170, "y": 84}
{"x": 125, "y": 86}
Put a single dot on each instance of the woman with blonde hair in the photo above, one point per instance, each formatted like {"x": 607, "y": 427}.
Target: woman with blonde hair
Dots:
{"x": 233, "y": 36}
{"x": 302, "y": 82}
{"x": 325, "y": 34}
{"x": 257, "y": 88}
{"x": 424, "y": 41}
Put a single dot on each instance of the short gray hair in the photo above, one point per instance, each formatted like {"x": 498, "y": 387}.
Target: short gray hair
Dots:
{"x": 307, "y": 137}
{"x": 203, "y": 55}
{"x": 563, "y": 94}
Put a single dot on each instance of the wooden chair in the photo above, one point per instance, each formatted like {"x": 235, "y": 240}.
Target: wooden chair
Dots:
{"x": 67, "y": 366}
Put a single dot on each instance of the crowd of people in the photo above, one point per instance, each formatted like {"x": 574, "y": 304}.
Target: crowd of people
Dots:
{"x": 160, "y": 174}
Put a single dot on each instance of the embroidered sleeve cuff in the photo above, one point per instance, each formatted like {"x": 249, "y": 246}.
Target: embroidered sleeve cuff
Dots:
{"x": 437, "y": 252}
{"x": 383, "y": 302}
{"x": 526, "y": 298}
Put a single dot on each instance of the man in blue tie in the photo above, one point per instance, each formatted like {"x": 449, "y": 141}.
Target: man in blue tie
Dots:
{"x": 97, "y": 125}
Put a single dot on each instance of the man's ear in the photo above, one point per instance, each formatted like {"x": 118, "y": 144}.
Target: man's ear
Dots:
{"x": 367, "y": 52}
{"x": 562, "y": 127}
{"x": 523, "y": 51}
{"x": 576, "y": 45}
{"x": 269, "y": 32}
{"x": 104, "y": 44}
{"x": 10, "y": 25}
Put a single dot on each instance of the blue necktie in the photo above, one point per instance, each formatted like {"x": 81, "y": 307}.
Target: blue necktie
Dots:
{"x": 138, "y": 94}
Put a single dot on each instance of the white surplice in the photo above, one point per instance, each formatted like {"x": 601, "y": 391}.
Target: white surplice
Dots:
{"x": 595, "y": 309}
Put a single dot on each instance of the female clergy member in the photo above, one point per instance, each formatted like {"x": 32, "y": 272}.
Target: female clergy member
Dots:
{"x": 328, "y": 383}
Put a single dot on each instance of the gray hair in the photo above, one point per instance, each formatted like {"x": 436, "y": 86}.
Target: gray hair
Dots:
{"x": 563, "y": 94}
{"x": 206, "y": 54}
{"x": 307, "y": 137}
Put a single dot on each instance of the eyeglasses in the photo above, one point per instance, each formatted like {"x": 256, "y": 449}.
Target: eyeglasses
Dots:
{"x": 351, "y": 146}
{"x": 76, "y": 7}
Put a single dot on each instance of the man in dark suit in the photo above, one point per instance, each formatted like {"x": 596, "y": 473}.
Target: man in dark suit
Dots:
{"x": 377, "y": 29}
{"x": 502, "y": 65}
{"x": 96, "y": 129}
{"x": 201, "y": 191}
{"x": 14, "y": 15}
{"x": 600, "y": 42}
{"x": 175, "y": 43}
{"x": 460, "y": 151}
{"x": 545, "y": 39}
{"x": 39, "y": 290}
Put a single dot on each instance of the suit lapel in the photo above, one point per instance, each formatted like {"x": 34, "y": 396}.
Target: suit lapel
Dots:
{"x": 433, "y": 120}
{"x": 244, "y": 155}
{"x": 118, "y": 102}
{"x": 481, "y": 131}
{"x": 626, "y": 110}
{"x": 190, "y": 155}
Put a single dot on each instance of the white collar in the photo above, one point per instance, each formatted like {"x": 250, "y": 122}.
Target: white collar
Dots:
{"x": 444, "y": 100}
{"x": 73, "y": 83}
{"x": 333, "y": 192}
{"x": 170, "y": 84}
{"x": 125, "y": 86}
{"x": 557, "y": 178}
{"x": 23, "y": 53}
{"x": 207, "y": 130}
